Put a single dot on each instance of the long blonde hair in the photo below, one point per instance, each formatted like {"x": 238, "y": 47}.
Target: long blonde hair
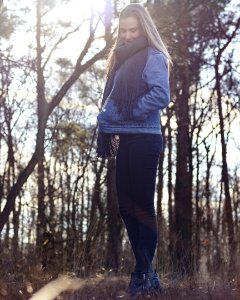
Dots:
{"x": 149, "y": 30}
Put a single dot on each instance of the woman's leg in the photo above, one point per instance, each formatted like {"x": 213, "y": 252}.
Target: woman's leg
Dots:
{"x": 144, "y": 156}
{"x": 137, "y": 161}
{"x": 125, "y": 201}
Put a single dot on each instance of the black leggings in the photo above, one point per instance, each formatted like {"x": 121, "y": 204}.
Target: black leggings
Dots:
{"x": 136, "y": 169}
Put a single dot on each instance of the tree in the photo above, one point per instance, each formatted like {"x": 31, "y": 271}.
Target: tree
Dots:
{"x": 188, "y": 26}
{"x": 45, "y": 108}
{"x": 228, "y": 37}
{"x": 114, "y": 224}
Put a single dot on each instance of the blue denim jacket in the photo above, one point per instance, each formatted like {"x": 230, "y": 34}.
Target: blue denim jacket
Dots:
{"x": 146, "y": 114}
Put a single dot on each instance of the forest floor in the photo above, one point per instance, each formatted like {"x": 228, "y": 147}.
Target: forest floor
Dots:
{"x": 101, "y": 287}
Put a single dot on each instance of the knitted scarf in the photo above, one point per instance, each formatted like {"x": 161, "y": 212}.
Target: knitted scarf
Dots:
{"x": 126, "y": 90}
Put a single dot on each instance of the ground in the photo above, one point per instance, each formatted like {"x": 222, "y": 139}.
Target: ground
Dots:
{"x": 102, "y": 287}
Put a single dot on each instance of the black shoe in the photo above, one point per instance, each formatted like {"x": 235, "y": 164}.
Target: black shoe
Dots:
{"x": 155, "y": 282}
{"x": 139, "y": 284}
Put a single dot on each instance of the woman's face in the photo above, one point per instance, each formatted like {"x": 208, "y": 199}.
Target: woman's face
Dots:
{"x": 129, "y": 29}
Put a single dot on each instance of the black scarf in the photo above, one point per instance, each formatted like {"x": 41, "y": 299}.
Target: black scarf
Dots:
{"x": 128, "y": 88}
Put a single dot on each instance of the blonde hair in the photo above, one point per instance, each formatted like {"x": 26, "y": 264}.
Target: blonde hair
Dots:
{"x": 149, "y": 30}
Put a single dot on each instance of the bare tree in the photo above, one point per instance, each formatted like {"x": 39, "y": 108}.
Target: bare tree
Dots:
{"x": 228, "y": 37}
{"x": 114, "y": 224}
{"x": 45, "y": 108}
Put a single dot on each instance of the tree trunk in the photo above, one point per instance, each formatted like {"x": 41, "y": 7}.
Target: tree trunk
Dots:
{"x": 160, "y": 245}
{"x": 183, "y": 188}
{"x": 41, "y": 217}
{"x": 114, "y": 223}
{"x": 225, "y": 176}
{"x": 170, "y": 188}
{"x": 92, "y": 229}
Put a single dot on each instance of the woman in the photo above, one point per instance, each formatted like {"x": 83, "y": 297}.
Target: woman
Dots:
{"x": 137, "y": 89}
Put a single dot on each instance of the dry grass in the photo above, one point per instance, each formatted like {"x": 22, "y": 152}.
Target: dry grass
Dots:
{"x": 41, "y": 286}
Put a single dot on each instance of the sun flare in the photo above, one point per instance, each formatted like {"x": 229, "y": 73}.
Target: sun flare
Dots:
{"x": 76, "y": 10}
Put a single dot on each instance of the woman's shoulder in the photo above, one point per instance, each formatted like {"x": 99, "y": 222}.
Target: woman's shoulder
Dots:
{"x": 155, "y": 51}
{"x": 156, "y": 56}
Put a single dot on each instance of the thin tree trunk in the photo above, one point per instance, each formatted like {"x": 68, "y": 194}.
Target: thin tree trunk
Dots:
{"x": 93, "y": 222}
{"x": 183, "y": 188}
{"x": 198, "y": 216}
{"x": 41, "y": 217}
{"x": 225, "y": 176}
{"x": 114, "y": 223}
{"x": 170, "y": 188}
{"x": 160, "y": 182}
{"x": 236, "y": 201}
{"x": 15, "y": 242}
{"x": 160, "y": 245}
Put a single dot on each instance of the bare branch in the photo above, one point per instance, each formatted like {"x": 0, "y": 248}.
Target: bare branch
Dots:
{"x": 79, "y": 69}
{"x": 61, "y": 39}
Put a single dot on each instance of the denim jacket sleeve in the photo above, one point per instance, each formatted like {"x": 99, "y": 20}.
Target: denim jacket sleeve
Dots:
{"x": 156, "y": 76}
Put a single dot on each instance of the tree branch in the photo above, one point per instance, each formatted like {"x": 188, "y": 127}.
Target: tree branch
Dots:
{"x": 61, "y": 39}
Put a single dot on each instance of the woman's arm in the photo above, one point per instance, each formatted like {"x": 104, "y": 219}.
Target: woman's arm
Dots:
{"x": 156, "y": 76}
